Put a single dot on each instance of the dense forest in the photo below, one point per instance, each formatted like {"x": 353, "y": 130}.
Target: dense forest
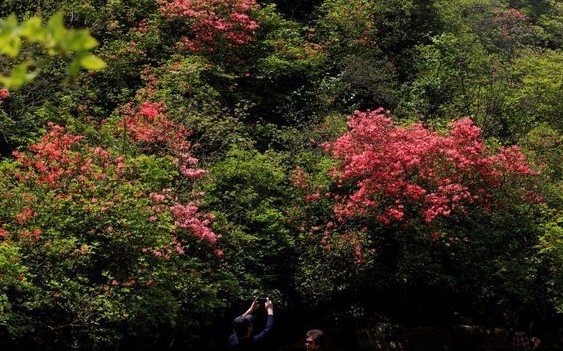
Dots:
{"x": 357, "y": 161}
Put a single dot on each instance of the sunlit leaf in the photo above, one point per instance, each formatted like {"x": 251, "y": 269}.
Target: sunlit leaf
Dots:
{"x": 92, "y": 62}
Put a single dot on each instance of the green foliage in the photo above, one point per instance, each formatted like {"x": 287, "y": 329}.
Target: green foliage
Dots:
{"x": 290, "y": 53}
{"x": 347, "y": 23}
{"x": 13, "y": 272}
{"x": 192, "y": 89}
{"x": 249, "y": 193}
{"x": 295, "y": 10}
{"x": 370, "y": 48}
{"x": 552, "y": 23}
{"x": 536, "y": 93}
{"x": 543, "y": 144}
{"x": 54, "y": 38}
{"x": 533, "y": 8}
{"x": 451, "y": 74}
{"x": 278, "y": 82}
{"x": 489, "y": 73}
{"x": 550, "y": 246}
{"x": 403, "y": 24}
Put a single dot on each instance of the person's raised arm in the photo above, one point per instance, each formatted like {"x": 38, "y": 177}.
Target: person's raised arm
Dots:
{"x": 269, "y": 306}
{"x": 253, "y": 307}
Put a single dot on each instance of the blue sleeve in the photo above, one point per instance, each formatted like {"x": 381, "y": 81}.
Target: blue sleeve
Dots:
{"x": 267, "y": 329}
{"x": 233, "y": 341}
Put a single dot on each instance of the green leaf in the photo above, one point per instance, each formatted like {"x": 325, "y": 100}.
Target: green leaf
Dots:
{"x": 88, "y": 42}
{"x": 10, "y": 46}
{"x": 55, "y": 36}
{"x": 92, "y": 62}
{"x": 32, "y": 30}
{"x": 18, "y": 77}
{"x": 79, "y": 40}
{"x": 9, "y": 25}
{"x": 56, "y": 40}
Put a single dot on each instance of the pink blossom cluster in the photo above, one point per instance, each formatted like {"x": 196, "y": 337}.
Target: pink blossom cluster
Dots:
{"x": 513, "y": 24}
{"x": 25, "y": 215}
{"x": 186, "y": 164}
{"x": 143, "y": 27}
{"x": 510, "y": 17}
{"x": 391, "y": 171}
{"x": 148, "y": 125}
{"x": 53, "y": 158}
{"x": 61, "y": 157}
{"x": 300, "y": 178}
{"x": 188, "y": 217}
{"x": 4, "y": 94}
{"x": 213, "y": 22}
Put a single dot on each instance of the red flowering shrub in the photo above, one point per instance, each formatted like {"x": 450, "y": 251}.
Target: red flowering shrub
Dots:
{"x": 63, "y": 163}
{"x": 394, "y": 173}
{"x": 213, "y": 22}
{"x": 99, "y": 232}
{"x": 404, "y": 209}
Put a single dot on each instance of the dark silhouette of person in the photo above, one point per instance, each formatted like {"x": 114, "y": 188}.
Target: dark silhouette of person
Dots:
{"x": 244, "y": 336}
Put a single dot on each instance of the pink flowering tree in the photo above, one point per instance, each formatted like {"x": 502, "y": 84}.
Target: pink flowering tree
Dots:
{"x": 395, "y": 174}
{"x": 513, "y": 30}
{"x": 103, "y": 238}
{"x": 392, "y": 203}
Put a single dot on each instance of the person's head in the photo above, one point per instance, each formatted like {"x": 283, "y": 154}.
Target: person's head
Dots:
{"x": 314, "y": 339}
{"x": 243, "y": 326}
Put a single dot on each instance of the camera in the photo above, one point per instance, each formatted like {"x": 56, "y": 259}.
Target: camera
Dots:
{"x": 261, "y": 300}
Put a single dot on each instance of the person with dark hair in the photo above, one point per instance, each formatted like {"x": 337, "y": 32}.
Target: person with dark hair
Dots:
{"x": 243, "y": 336}
{"x": 314, "y": 339}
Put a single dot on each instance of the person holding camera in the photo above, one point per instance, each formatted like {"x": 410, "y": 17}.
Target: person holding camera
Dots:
{"x": 244, "y": 336}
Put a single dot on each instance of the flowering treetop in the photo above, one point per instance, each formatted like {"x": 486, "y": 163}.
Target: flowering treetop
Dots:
{"x": 69, "y": 166}
{"x": 213, "y": 22}
{"x": 392, "y": 172}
